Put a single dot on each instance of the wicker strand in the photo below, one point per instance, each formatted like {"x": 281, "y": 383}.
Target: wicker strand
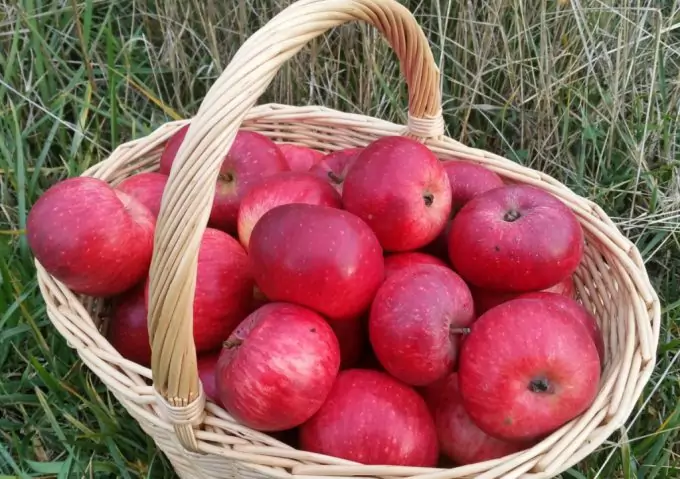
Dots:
{"x": 183, "y": 417}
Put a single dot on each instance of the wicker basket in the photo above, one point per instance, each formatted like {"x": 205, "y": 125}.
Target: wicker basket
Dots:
{"x": 201, "y": 439}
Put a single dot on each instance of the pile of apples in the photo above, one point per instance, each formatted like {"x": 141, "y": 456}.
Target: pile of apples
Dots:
{"x": 375, "y": 304}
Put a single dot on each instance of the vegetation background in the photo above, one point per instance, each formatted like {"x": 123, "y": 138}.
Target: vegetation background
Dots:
{"x": 586, "y": 90}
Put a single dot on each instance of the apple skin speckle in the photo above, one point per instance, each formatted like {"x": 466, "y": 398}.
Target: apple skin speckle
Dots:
{"x": 94, "y": 239}
{"x": 372, "y": 418}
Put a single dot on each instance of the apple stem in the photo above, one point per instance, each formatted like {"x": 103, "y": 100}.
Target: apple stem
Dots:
{"x": 454, "y": 210}
{"x": 459, "y": 331}
{"x": 232, "y": 343}
{"x": 511, "y": 216}
{"x": 258, "y": 294}
{"x": 335, "y": 178}
{"x": 226, "y": 177}
{"x": 540, "y": 385}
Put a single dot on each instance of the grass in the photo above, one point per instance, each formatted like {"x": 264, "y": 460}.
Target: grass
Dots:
{"x": 583, "y": 89}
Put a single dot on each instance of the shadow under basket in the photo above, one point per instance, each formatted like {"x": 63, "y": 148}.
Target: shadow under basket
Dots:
{"x": 200, "y": 439}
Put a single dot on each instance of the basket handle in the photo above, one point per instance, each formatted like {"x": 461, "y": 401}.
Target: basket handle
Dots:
{"x": 191, "y": 186}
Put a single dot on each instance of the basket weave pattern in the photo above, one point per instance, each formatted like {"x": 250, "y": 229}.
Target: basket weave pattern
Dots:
{"x": 200, "y": 439}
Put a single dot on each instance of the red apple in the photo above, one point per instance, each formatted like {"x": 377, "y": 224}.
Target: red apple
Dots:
{"x": 128, "y": 331}
{"x": 224, "y": 289}
{"x": 515, "y": 238}
{"x": 334, "y": 166}
{"x": 207, "y": 367}
{"x": 371, "y": 418}
{"x": 467, "y": 181}
{"x": 251, "y": 158}
{"x": 416, "y": 320}
{"x": 94, "y": 239}
{"x": 486, "y": 299}
{"x": 281, "y": 189}
{"x": 277, "y": 368}
{"x": 459, "y": 437}
{"x": 400, "y": 261}
{"x": 317, "y": 256}
{"x": 352, "y": 336}
{"x": 400, "y": 189}
{"x": 147, "y": 188}
{"x": 526, "y": 369}
{"x": 299, "y": 158}
{"x": 577, "y": 312}
{"x": 171, "y": 148}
